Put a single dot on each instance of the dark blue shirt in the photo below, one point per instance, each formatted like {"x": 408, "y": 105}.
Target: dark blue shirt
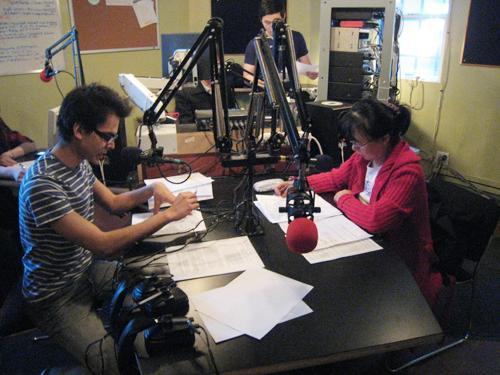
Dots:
{"x": 298, "y": 41}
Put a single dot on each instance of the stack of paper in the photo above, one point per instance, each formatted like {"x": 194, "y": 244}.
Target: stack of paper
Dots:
{"x": 337, "y": 236}
{"x": 199, "y": 184}
{"x": 251, "y": 304}
{"x": 193, "y": 222}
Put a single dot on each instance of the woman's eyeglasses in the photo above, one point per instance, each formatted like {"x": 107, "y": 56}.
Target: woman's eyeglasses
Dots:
{"x": 355, "y": 143}
{"x": 107, "y": 137}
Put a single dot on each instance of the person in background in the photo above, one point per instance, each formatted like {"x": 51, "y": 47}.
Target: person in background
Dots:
{"x": 271, "y": 10}
{"x": 13, "y": 145}
{"x": 191, "y": 98}
{"x": 63, "y": 279}
{"x": 381, "y": 187}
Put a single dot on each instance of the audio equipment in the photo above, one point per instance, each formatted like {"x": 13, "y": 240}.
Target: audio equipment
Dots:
{"x": 147, "y": 316}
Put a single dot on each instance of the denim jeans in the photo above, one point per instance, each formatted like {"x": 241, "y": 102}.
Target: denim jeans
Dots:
{"x": 70, "y": 318}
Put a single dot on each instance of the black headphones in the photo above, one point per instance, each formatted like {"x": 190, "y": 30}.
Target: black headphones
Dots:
{"x": 149, "y": 315}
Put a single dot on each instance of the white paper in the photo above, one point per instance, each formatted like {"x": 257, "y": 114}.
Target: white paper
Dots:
{"x": 222, "y": 332}
{"x": 26, "y": 164}
{"x": 213, "y": 258}
{"x": 119, "y": 2}
{"x": 254, "y": 302}
{"x": 304, "y": 68}
{"x": 269, "y": 206}
{"x": 174, "y": 184}
{"x": 341, "y": 251}
{"x": 193, "y": 222}
{"x": 335, "y": 230}
{"x": 145, "y": 12}
{"x": 197, "y": 183}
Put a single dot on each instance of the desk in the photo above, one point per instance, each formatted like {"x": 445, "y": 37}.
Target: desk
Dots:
{"x": 361, "y": 305}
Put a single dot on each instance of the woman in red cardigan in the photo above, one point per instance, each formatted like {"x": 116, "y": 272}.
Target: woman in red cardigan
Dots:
{"x": 381, "y": 187}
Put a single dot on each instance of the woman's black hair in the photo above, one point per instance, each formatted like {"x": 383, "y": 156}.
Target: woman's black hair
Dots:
{"x": 89, "y": 106}
{"x": 272, "y": 7}
{"x": 376, "y": 119}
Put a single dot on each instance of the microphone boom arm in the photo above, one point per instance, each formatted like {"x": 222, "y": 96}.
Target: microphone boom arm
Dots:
{"x": 300, "y": 200}
{"x": 211, "y": 37}
{"x": 71, "y": 37}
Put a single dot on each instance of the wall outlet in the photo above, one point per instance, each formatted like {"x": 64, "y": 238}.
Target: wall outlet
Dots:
{"x": 444, "y": 157}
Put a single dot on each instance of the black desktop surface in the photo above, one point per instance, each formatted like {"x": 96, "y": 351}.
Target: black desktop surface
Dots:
{"x": 361, "y": 305}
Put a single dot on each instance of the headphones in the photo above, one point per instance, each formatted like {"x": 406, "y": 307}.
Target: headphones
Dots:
{"x": 147, "y": 317}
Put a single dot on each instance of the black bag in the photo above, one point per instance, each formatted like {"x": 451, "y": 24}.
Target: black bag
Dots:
{"x": 462, "y": 223}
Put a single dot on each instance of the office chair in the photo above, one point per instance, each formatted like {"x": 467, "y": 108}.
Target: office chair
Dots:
{"x": 462, "y": 224}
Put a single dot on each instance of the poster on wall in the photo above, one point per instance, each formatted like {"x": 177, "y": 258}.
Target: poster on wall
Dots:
{"x": 27, "y": 28}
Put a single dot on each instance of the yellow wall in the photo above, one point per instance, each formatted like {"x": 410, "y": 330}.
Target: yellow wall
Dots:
{"x": 469, "y": 128}
{"x": 470, "y": 119}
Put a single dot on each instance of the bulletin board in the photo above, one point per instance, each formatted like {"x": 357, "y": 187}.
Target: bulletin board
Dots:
{"x": 103, "y": 27}
{"x": 481, "y": 45}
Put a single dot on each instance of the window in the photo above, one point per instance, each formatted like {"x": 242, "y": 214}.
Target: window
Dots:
{"x": 421, "y": 43}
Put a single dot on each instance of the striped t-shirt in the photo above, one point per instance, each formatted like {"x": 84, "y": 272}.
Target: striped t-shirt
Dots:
{"x": 49, "y": 191}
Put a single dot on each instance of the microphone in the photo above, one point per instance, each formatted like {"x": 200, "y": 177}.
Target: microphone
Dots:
{"x": 301, "y": 235}
{"x": 323, "y": 163}
{"x": 47, "y": 73}
{"x": 134, "y": 155}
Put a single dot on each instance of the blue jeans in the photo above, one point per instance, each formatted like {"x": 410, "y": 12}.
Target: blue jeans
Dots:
{"x": 71, "y": 319}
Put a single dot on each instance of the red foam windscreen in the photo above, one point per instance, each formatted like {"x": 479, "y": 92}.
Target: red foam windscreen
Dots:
{"x": 301, "y": 235}
{"x": 44, "y": 77}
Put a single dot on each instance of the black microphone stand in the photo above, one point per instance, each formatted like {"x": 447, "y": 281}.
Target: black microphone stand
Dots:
{"x": 211, "y": 37}
{"x": 300, "y": 199}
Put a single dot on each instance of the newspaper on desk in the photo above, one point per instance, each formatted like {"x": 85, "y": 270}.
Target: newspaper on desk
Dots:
{"x": 199, "y": 184}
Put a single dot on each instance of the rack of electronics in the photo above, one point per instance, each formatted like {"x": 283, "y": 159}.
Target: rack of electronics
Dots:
{"x": 356, "y": 49}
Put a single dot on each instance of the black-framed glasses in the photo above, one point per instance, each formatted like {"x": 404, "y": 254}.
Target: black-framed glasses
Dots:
{"x": 355, "y": 143}
{"x": 106, "y": 136}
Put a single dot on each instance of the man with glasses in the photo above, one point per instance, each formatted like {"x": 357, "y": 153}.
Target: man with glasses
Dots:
{"x": 271, "y": 10}
{"x": 62, "y": 281}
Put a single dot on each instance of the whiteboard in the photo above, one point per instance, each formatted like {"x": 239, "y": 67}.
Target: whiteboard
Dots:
{"x": 27, "y": 28}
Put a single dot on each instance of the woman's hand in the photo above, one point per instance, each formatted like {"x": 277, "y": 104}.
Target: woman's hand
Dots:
{"x": 340, "y": 194}
{"x": 161, "y": 194}
{"x": 182, "y": 206}
{"x": 282, "y": 188}
{"x": 7, "y": 160}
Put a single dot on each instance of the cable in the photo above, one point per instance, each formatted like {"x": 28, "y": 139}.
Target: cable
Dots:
{"x": 100, "y": 342}
{"x": 58, "y": 87}
{"x": 320, "y": 149}
{"x": 209, "y": 349}
{"x": 101, "y": 169}
{"x": 444, "y": 85}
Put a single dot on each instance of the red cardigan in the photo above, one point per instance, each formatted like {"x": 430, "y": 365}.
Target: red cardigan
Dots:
{"x": 398, "y": 208}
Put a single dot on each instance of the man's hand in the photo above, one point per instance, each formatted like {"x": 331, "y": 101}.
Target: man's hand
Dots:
{"x": 6, "y": 159}
{"x": 161, "y": 194}
{"x": 17, "y": 173}
{"x": 182, "y": 206}
{"x": 312, "y": 75}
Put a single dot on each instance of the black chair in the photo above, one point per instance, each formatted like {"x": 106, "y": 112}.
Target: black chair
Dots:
{"x": 462, "y": 223}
